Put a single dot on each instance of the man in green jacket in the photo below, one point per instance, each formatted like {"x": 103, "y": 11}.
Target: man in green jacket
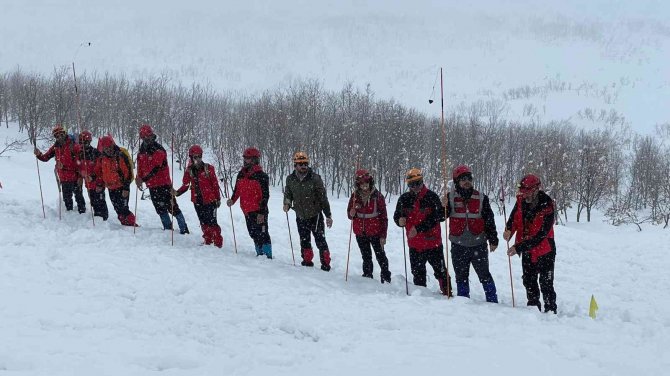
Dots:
{"x": 306, "y": 194}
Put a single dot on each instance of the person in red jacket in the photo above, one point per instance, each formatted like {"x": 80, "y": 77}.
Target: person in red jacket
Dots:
{"x": 66, "y": 168}
{"x": 420, "y": 212}
{"x": 252, "y": 188}
{"x": 153, "y": 170}
{"x": 471, "y": 226}
{"x": 87, "y": 157}
{"x": 367, "y": 210}
{"x": 114, "y": 171}
{"x": 200, "y": 177}
{"x": 532, "y": 219}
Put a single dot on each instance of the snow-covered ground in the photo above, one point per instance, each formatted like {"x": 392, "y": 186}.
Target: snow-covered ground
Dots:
{"x": 564, "y": 60}
{"x": 82, "y": 300}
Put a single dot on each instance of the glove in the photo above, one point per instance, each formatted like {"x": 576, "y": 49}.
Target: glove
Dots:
{"x": 37, "y": 152}
{"x": 229, "y": 203}
{"x": 511, "y": 251}
{"x": 382, "y": 241}
{"x": 286, "y": 208}
{"x": 260, "y": 219}
{"x": 507, "y": 235}
{"x": 59, "y": 165}
{"x": 492, "y": 247}
{"x": 412, "y": 233}
{"x": 352, "y": 212}
{"x": 218, "y": 203}
{"x": 125, "y": 194}
{"x": 329, "y": 222}
{"x": 402, "y": 221}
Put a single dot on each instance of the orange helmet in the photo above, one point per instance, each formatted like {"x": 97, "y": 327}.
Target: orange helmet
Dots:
{"x": 413, "y": 174}
{"x": 300, "y": 157}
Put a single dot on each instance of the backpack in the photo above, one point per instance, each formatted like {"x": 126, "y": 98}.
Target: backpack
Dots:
{"x": 131, "y": 164}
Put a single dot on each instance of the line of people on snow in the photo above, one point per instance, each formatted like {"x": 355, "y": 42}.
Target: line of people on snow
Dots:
{"x": 472, "y": 230}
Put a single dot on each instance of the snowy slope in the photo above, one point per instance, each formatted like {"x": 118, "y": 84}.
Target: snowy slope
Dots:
{"x": 78, "y": 300}
{"x": 540, "y": 60}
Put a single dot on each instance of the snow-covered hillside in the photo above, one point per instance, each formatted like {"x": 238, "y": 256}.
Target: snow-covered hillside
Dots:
{"x": 572, "y": 60}
{"x": 82, "y": 300}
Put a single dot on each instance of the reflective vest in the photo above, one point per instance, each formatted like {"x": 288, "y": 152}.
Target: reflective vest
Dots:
{"x": 466, "y": 225}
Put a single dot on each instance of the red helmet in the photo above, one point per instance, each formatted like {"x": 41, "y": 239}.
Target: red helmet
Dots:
{"x": 146, "y": 131}
{"x": 251, "y": 153}
{"x": 461, "y": 170}
{"x": 363, "y": 176}
{"x": 57, "y": 129}
{"x": 105, "y": 142}
{"x": 529, "y": 183}
{"x": 85, "y": 136}
{"x": 195, "y": 150}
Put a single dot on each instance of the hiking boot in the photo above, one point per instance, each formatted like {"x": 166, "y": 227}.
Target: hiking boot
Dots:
{"x": 325, "y": 268}
{"x": 367, "y": 275}
{"x": 385, "y": 277}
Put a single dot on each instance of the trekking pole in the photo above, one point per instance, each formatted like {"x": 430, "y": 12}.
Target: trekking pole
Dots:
{"x": 509, "y": 258}
{"x": 172, "y": 198}
{"x": 225, "y": 186}
{"x": 60, "y": 195}
{"x": 404, "y": 254}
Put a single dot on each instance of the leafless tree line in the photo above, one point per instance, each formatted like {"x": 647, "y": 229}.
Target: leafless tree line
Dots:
{"x": 608, "y": 167}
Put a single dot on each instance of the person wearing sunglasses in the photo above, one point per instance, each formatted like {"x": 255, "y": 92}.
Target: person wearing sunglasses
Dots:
{"x": 252, "y": 188}
{"x": 67, "y": 170}
{"x": 471, "y": 226}
{"x": 153, "y": 170}
{"x": 420, "y": 212}
{"x": 532, "y": 220}
{"x": 306, "y": 195}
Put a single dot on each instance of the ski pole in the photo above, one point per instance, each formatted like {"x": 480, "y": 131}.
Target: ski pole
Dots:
{"x": 172, "y": 197}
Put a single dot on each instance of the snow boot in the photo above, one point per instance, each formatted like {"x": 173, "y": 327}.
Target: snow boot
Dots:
{"x": 267, "y": 249}
{"x": 367, "y": 275}
{"x": 165, "y": 220}
{"x": 385, "y": 276}
{"x": 535, "y": 304}
{"x": 490, "y": 292}
{"x": 259, "y": 250}
{"x": 463, "y": 289}
{"x": 325, "y": 260}
{"x": 183, "y": 229}
{"x": 307, "y": 256}
{"x": 216, "y": 236}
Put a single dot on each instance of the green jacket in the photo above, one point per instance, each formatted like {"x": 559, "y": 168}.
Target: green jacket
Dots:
{"x": 307, "y": 196}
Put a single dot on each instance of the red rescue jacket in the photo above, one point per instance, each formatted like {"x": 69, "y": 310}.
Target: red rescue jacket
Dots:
{"x": 534, "y": 228}
{"x": 203, "y": 183}
{"x": 424, "y": 211}
{"x": 66, "y": 160}
{"x": 252, "y": 188}
{"x": 371, "y": 218}
{"x": 152, "y": 166}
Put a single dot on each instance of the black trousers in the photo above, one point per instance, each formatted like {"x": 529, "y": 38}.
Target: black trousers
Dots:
{"x": 478, "y": 257}
{"x": 366, "y": 245}
{"x": 309, "y": 226}
{"x": 206, "y": 214}
{"x": 163, "y": 200}
{"x": 119, "y": 202}
{"x": 258, "y": 232}
{"x": 434, "y": 257}
{"x": 99, "y": 203}
{"x": 71, "y": 188}
{"x": 544, "y": 269}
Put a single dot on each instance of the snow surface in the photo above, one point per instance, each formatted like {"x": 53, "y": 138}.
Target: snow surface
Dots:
{"x": 82, "y": 300}
{"x": 569, "y": 56}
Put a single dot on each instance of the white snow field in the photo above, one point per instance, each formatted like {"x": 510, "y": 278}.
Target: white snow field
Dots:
{"x": 582, "y": 61}
{"x": 82, "y": 300}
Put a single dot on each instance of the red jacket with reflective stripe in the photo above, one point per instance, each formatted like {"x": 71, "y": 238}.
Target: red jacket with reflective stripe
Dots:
{"x": 152, "y": 166}
{"x": 371, "y": 218}
{"x": 203, "y": 183}
{"x": 66, "y": 161}
{"x": 425, "y": 212}
{"x": 534, "y": 227}
{"x": 466, "y": 214}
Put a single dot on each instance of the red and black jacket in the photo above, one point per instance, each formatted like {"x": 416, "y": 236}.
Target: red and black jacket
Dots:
{"x": 252, "y": 188}
{"x": 371, "y": 218}
{"x": 203, "y": 183}
{"x": 534, "y": 226}
{"x": 423, "y": 211}
{"x": 66, "y": 160}
{"x": 152, "y": 166}
{"x": 87, "y": 157}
